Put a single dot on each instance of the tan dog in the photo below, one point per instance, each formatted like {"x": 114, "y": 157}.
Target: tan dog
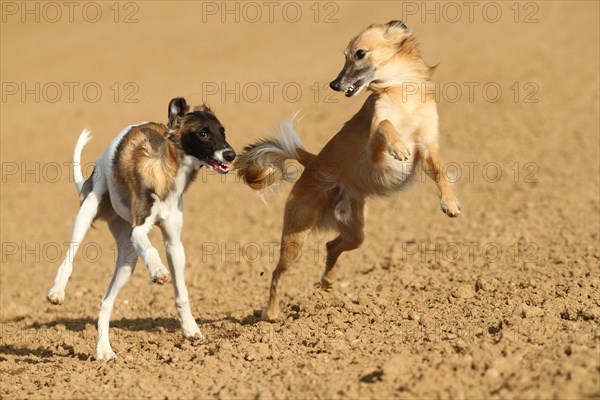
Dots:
{"x": 374, "y": 154}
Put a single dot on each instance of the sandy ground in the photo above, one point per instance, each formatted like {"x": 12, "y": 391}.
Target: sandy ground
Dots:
{"x": 502, "y": 302}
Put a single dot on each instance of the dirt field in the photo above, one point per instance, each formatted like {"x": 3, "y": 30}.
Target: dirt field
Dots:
{"x": 502, "y": 302}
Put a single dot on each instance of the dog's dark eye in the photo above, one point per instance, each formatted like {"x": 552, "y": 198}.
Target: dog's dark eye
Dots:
{"x": 360, "y": 54}
{"x": 202, "y": 134}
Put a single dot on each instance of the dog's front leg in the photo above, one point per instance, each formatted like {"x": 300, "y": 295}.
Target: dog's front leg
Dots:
{"x": 448, "y": 201}
{"x": 384, "y": 140}
{"x": 171, "y": 230}
{"x": 144, "y": 217}
{"x": 432, "y": 165}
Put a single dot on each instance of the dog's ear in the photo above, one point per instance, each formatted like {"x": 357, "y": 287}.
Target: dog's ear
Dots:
{"x": 397, "y": 32}
{"x": 204, "y": 108}
{"x": 177, "y": 108}
{"x": 396, "y": 26}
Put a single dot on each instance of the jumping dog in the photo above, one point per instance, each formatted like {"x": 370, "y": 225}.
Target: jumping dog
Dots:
{"x": 374, "y": 154}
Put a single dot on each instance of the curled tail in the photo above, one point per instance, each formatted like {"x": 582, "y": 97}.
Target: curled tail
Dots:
{"x": 84, "y": 138}
{"x": 262, "y": 164}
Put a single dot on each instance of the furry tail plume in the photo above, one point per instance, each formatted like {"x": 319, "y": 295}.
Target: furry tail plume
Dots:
{"x": 84, "y": 138}
{"x": 262, "y": 164}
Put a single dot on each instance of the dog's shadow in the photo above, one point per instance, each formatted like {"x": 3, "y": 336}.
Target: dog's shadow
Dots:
{"x": 46, "y": 354}
{"x": 129, "y": 324}
{"x": 170, "y": 325}
{"x": 145, "y": 324}
{"x": 26, "y": 355}
{"x": 134, "y": 324}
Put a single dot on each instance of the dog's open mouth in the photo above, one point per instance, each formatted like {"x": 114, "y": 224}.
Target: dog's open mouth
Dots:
{"x": 217, "y": 166}
{"x": 353, "y": 89}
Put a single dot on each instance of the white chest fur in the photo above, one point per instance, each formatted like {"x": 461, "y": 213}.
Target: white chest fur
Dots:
{"x": 173, "y": 202}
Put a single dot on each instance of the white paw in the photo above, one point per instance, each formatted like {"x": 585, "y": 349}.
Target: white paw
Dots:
{"x": 105, "y": 353}
{"x": 55, "y": 296}
{"x": 161, "y": 276}
{"x": 193, "y": 331}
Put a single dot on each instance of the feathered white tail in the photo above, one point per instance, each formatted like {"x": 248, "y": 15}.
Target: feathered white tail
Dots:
{"x": 262, "y": 164}
{"x": 84, "y": 138}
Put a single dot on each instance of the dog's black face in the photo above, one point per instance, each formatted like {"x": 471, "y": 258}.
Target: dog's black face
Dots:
{"x": 201, "y": 135}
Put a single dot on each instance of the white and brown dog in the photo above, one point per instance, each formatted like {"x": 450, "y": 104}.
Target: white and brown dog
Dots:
{"x": 374, "y": 154}
{"x": 137, "y": 183}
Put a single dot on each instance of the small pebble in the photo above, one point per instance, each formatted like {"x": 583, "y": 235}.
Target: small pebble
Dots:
{"x": 414, "y": 316}
{"x": 464, "y": 292}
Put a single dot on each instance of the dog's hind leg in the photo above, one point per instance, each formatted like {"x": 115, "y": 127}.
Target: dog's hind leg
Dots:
{"x": 83, "y": 221}
{"x": 301, "y": 213}
{"x": 351, "y": 237}
{"x": 171, "y": 230}
{"x": 126, "y": 260}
